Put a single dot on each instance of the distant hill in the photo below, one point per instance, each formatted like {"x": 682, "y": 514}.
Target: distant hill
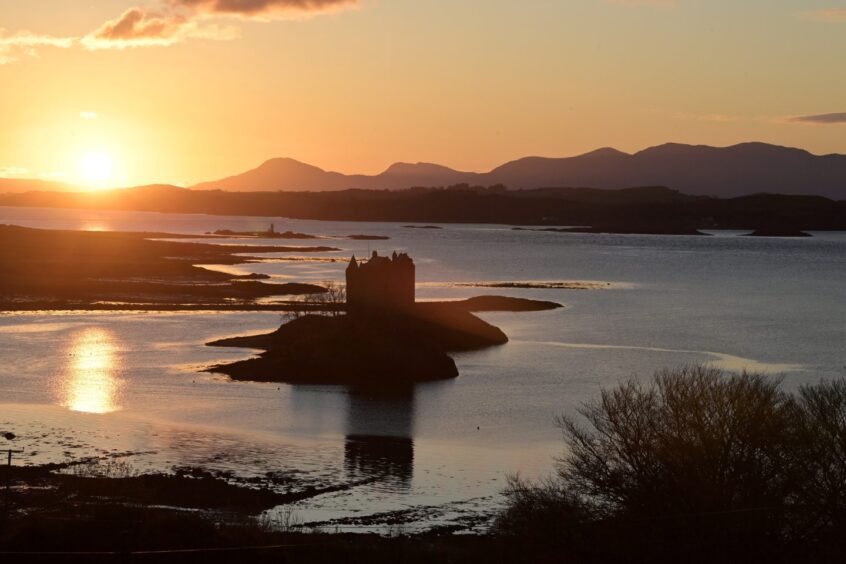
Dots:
{"x": 635, "y": 210}
{"x": 738, "y": 170}
{"x": 292, "y": 175}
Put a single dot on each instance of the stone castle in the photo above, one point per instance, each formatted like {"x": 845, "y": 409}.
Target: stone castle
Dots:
{"x": 380, "y": 283}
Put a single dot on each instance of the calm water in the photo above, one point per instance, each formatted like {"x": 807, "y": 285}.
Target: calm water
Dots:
{"x": 94, "y": 384}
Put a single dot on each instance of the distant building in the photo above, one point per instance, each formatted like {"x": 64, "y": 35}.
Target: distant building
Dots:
{"x": 380, "y": 283}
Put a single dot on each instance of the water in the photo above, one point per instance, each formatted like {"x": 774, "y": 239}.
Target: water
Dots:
{"x": 130, "y": 384}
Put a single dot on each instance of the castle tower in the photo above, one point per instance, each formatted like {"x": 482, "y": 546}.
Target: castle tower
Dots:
{"x": 381, "y": 283}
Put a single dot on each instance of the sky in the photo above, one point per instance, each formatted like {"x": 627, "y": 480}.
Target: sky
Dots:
{"x": 123, "y": 92}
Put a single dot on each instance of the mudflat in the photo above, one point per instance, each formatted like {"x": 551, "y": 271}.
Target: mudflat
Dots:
{"x": 51, "y": 269}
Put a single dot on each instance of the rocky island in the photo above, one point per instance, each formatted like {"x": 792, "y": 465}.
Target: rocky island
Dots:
{"x": 269, "y": 233}
{"x": 379, "y": 337}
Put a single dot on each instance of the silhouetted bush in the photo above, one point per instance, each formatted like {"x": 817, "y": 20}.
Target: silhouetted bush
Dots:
{"x": 698, "y": 465}
{"x": 822, "y": 492}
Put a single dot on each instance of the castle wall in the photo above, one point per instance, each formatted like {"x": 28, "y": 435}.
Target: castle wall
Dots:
{"x": 381, "y": 283}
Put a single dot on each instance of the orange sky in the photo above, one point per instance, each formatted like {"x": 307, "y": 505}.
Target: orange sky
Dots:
{"x": 120, "y": 92}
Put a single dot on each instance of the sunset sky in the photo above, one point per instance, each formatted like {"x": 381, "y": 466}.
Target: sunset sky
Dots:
{"x": 181, "y": 91}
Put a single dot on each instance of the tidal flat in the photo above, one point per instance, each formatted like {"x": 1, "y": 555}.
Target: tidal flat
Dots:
{"x": 53, "y": 269}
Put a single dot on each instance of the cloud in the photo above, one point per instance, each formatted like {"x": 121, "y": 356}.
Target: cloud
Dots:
{"x": 26, "y": 44}
{"x": 173, "y": 22}
{"x": 192, "y": 19}
{"x": 829, "y": 15}
{"x": 88, "y": 115}
{"x": 138, "y": 28}
{"x": 265, "y": 9}
{"x": 136, "y": 24}
{"x": 820, "y": 119}
{"x": 12, "y": 171}
{"x": 53, "y": 175}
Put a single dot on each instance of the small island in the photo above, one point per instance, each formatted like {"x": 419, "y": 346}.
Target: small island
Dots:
{"x": 368, "y": 237}
{"x": 777, "y": 232}
{"x": 670, "y": 228}
{"x": 269, "y": 233}
{"x": 379, "y": 337}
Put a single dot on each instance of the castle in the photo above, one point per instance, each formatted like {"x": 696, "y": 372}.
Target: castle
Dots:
{"x": 385, "y": 283}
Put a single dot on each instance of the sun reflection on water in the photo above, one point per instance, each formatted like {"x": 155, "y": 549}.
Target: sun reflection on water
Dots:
{"x": 90, "y": 383}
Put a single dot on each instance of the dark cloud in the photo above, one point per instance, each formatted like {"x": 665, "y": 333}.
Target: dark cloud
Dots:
{"x": 259, "y": 8}
{"x": 821, "y": 119}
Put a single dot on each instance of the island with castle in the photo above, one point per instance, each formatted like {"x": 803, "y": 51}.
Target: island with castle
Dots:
{"x": 380, "y": 336}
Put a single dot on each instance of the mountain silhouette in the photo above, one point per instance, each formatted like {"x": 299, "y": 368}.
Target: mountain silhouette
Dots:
{"x": 292, "y": 175}
{"x": 743, "y": 169}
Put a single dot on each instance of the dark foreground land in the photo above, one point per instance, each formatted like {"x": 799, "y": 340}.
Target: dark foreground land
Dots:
{"x": 54, "y": 514}
{"x": 45, "y": 269}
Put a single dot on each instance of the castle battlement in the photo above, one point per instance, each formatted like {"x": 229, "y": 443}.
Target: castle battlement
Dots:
{"x": 385, "y": 283}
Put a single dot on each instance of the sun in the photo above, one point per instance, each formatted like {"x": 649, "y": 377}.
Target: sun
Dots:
{"x": 95, "y": 168}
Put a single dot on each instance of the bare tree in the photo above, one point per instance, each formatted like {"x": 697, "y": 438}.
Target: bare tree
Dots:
{"x": 332, "y": 301}
{"x": 698, "y": 465}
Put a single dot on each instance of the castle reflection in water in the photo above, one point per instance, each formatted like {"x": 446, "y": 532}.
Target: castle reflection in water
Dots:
{"x": 379, "y": 433}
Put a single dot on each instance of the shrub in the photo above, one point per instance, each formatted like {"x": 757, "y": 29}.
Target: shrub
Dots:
{"x": 697, "y": 465}
{"x": 822, "y": 492}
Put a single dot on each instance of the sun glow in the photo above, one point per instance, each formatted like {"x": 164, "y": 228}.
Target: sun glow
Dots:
{"x": 96, "y": 168}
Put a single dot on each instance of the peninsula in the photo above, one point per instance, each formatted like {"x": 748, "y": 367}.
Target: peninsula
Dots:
{"x": 47, "y": 269}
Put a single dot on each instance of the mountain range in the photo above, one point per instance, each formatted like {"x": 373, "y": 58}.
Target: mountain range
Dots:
{"x": 739, "y": 170}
